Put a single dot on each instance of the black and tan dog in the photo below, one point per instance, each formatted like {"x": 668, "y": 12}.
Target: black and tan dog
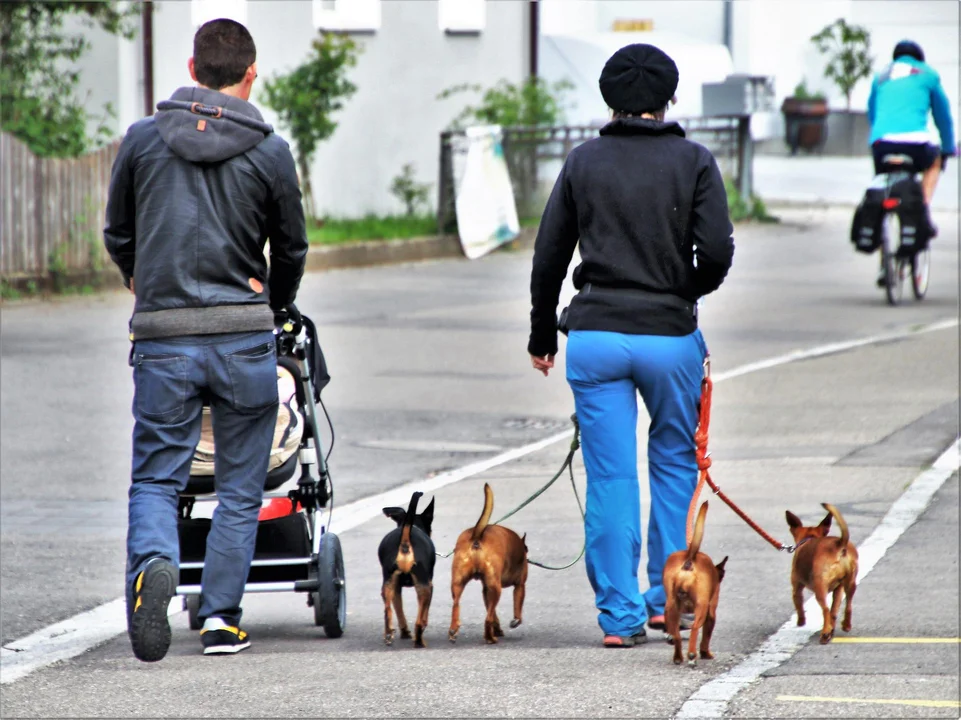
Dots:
{"x": 823, "y": 565}
{"x": 407, "y": 560}
{"x": 495, "y": 555}
{"x": 693, "y": 584}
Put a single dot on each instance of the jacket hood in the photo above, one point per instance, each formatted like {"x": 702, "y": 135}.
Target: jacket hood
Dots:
{"x": 202, "y": 125}
{"x": 641, "y": 126}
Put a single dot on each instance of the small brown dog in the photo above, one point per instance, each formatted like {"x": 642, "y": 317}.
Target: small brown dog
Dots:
{"x": 693, "y": 584}
{"x": 823, "y": 564}
{"x": 497, "y": 557}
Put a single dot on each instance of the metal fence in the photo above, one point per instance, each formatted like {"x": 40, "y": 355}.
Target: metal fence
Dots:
{"x": 51, "y": 216}
{"x": 534, "y": 157}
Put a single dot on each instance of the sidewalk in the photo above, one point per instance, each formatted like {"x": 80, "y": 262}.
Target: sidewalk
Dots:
{"x": 832, "y": 180}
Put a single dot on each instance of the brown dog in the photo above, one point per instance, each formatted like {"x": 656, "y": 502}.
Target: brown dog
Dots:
{"x": 497, "y": 557}
{"x": 693, "y": 584}
{"x": 823, "y": 564}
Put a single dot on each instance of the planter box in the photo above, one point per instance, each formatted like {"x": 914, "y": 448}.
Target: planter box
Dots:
{"x": 804, "y": 123}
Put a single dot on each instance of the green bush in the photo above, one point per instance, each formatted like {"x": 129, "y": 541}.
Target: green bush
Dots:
{"x": 741, "y": 209}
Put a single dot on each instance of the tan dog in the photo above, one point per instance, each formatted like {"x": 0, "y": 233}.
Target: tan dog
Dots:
{"x": 497, "y": 557}
{"x": 693, "y": 584}
{"x": 823, "y": 564}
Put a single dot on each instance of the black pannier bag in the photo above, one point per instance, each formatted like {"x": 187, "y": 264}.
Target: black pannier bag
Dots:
{"x": 866, "y": 224}
{"x": 915, "y": 233}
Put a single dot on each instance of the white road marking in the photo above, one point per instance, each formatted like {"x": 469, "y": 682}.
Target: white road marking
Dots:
{"x": 711, "y": 699}
{"x": 82, "y": 632}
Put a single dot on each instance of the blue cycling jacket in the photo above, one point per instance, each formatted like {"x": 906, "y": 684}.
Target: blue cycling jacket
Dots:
{"x": 902, "y": 94}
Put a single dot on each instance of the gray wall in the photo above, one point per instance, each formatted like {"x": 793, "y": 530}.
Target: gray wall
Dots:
{"x": 99, "y": 74}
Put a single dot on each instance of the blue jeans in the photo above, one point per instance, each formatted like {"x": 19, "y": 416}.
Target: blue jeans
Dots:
{"x": 237, "y": 374}
{"x": 605, "y": 371}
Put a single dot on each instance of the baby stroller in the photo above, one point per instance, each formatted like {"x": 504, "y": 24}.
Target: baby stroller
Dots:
{"x": 294, "y": 551}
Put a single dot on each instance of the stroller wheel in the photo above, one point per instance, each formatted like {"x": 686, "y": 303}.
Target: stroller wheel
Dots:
{"x": 192, "y": 606}
{"x": 330, "y": 598}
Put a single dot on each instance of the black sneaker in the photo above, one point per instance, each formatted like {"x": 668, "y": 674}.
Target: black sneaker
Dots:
{"x": 148, "y": 627}
{"x": 219, "y": 638}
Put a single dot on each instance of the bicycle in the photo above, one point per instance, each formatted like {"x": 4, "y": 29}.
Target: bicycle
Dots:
{"x": 902, "y": 231}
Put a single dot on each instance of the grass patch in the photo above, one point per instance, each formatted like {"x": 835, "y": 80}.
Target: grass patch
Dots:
{"x": 8, "y": 292}
{"x": 742, "y": 209}
{"x": 333, "y": 231}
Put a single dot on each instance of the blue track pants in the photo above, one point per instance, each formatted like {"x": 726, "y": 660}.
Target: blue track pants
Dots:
{"x": 605, "y": 371}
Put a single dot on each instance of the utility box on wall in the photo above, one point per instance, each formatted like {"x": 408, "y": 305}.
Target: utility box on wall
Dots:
{"x": 737, "y": 96}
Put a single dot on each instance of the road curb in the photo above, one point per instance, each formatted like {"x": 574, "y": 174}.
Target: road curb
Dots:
{"x": 368, "y": 253}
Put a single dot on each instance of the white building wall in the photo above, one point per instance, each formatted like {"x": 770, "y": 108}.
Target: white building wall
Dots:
{"x": 394, "y": 117}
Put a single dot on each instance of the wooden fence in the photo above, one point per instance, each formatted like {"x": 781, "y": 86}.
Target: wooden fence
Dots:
{"x": 52, "y": 212}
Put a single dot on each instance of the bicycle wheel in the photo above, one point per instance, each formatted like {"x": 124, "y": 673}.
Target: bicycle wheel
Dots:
{"x": 920, "y": 273}
{"x": 892, "y": 266}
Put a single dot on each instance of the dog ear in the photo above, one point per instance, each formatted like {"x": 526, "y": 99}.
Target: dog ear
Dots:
{"x": 825, "y": 525}
{"x": 426, "y": 518}
{"x": 720, "y": 568}
{"x": 396, "y": 514}
{"x": 428, "y": 513}
{"x": 793, "y": 520}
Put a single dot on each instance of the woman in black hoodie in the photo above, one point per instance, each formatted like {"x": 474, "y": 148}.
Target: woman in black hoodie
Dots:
{"x": 648, "y": 210}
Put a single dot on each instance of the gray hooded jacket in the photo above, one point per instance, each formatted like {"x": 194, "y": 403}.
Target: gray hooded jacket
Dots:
{"x": 195, "y": 193}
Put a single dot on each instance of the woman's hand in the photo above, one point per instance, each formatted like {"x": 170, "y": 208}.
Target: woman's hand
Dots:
{"x": 543, "y": 364}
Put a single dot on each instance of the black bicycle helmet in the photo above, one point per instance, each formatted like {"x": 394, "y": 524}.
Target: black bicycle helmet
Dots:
{"x": 909, "y": 48}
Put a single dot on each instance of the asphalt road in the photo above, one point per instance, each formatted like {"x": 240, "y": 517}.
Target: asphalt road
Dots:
{"x": 430, "y": 373}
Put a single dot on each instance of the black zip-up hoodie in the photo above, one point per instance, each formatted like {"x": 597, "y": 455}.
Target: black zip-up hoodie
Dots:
{"x": 643, "y": 203}
{"x": 195, "y": 193}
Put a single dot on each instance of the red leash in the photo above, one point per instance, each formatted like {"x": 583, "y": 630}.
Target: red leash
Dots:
{"x": 704, "y": 462}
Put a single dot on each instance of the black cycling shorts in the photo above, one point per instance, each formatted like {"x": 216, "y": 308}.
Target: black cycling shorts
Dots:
{"x": 922, "y": 155}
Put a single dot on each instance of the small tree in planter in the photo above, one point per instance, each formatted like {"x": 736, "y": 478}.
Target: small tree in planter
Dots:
{"x": 848, "y": 50}
{"x": 804, "y": 116}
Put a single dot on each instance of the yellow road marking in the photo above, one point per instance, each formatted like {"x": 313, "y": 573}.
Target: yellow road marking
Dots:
{"x": 913, "y": 703}
{"x": 902, "y": 641}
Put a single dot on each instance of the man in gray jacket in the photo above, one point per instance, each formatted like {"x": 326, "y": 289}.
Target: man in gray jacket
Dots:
{"x": 195, "y": 193}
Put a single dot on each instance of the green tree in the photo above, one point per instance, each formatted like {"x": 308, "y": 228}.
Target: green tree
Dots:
{"x": 307, "y": 97}
{"x": 38, "y": 74}
{"x": 848, "y": 50}
{"x": 532, "y": 103}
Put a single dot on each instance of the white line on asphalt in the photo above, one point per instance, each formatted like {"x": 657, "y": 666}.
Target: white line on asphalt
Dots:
{"x": 77, "y": 634}
{"x": 711, "y": 699}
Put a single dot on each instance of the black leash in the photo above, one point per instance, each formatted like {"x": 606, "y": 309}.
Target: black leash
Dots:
{"x": 567, "y": 465}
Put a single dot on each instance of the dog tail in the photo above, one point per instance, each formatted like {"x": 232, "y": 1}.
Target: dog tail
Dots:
{"x": 843, "y": 526}
{"x": 696, "y": 538}
{"x": 405, "y": 557}
{"x": 485, "y": 515}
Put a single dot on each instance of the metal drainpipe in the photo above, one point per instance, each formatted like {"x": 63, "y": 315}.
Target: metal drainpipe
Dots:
{"x": 146, "y": 17}
{"x": 535, "y": 32}
{"x": 728, "y": 12}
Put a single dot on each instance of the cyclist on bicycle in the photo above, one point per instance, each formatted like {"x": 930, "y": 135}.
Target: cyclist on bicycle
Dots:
{"x": 902, "y": 95}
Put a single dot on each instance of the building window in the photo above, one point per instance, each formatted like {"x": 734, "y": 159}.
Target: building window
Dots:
{"x": 202, "y": 11}
{"x": 462, "y": 16}
{"x": 347, "y": 15}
